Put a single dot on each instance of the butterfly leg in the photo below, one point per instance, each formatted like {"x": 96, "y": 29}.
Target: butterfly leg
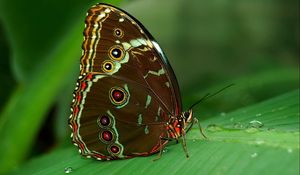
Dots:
{"x": 183, "y": 132}
{"x": 195, "y": 120}
{"x": 200, "y": 128}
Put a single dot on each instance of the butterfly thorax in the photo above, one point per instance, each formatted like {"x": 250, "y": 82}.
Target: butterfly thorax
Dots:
{"x": 178, "y": 125}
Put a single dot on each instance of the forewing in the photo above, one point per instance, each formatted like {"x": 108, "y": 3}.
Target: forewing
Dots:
{"x": 138, "y": 56}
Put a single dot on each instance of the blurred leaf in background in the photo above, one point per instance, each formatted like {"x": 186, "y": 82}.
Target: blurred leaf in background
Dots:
{"x": 6, "y": 76}
{"x": 210, "y": 44}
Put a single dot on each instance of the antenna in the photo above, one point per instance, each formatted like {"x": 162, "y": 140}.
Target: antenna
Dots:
{"x": 208, "y": 95}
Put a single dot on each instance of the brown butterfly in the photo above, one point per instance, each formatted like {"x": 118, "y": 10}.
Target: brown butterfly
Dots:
{"x": 127, "y": 100}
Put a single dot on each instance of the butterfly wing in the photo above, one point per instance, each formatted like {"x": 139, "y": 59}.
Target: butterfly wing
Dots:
{"x": 140, "y": 58}
{"x": 127, "y": 90}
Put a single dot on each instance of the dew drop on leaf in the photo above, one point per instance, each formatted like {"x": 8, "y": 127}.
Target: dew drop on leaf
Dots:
{"x": 68, "y": 170}
{"x": 255, "y": 124}
{"x": 253, "y": 155}
{"x": 289, "y": 150}
{"x": 213, "y": 128}
{"x": 238, "y": 125}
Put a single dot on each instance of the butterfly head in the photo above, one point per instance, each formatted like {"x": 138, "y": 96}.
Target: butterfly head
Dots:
{"x": 187, "y": 116}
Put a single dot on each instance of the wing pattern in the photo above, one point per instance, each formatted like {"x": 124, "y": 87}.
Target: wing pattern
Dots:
{"x": 126, "y": 90}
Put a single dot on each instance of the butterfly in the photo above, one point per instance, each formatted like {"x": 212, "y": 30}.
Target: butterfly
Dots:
{"x": 127, "y": 99}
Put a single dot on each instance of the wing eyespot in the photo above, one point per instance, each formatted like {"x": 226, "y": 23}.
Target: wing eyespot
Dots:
{"x": 108, "y": 66}
{"x": 107, "y": 136}
{"x": 104, "y": 121}
{"x": 118, "y": 96}
{"x": 118, "y": 33}
{"x": 114, "y": 149}
{"x": 116, "y": 53}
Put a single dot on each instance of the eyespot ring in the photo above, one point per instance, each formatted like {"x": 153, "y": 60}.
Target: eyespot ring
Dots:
{"x": 118, "y": 33}
{"x": 116, "y": 53}
{"x": 104, "y": 121}
{"x": 107, "y": 136}
{"x": 114, "y": 149}
{"x": 118, "y": 96}
{"x": 108, "y": 66}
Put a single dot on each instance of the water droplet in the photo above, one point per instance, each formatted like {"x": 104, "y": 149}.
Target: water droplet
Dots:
{"x": 223, "y": 114}
{"x": 255, "y": 124}
{"x": 289, "y": 150}
{"x": 253, "y": 155}
{"x": 68, "y": 170}
{"x": 238, "y": 125}
{"x": 231, "y": 119}
{"x": 194, "y": 140}
{"x": 257, "y": 115}
{"x": 165, "y": 150}
{"x": 213, "y": 128}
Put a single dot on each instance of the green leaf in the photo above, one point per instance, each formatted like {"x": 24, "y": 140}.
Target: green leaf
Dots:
{"x": 233, "y": 147}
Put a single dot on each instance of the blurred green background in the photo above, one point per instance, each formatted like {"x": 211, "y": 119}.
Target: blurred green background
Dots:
{"x": 210, "y": 44}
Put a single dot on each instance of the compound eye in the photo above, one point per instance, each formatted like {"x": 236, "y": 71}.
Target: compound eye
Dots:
{"x": 186, "y": 115}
